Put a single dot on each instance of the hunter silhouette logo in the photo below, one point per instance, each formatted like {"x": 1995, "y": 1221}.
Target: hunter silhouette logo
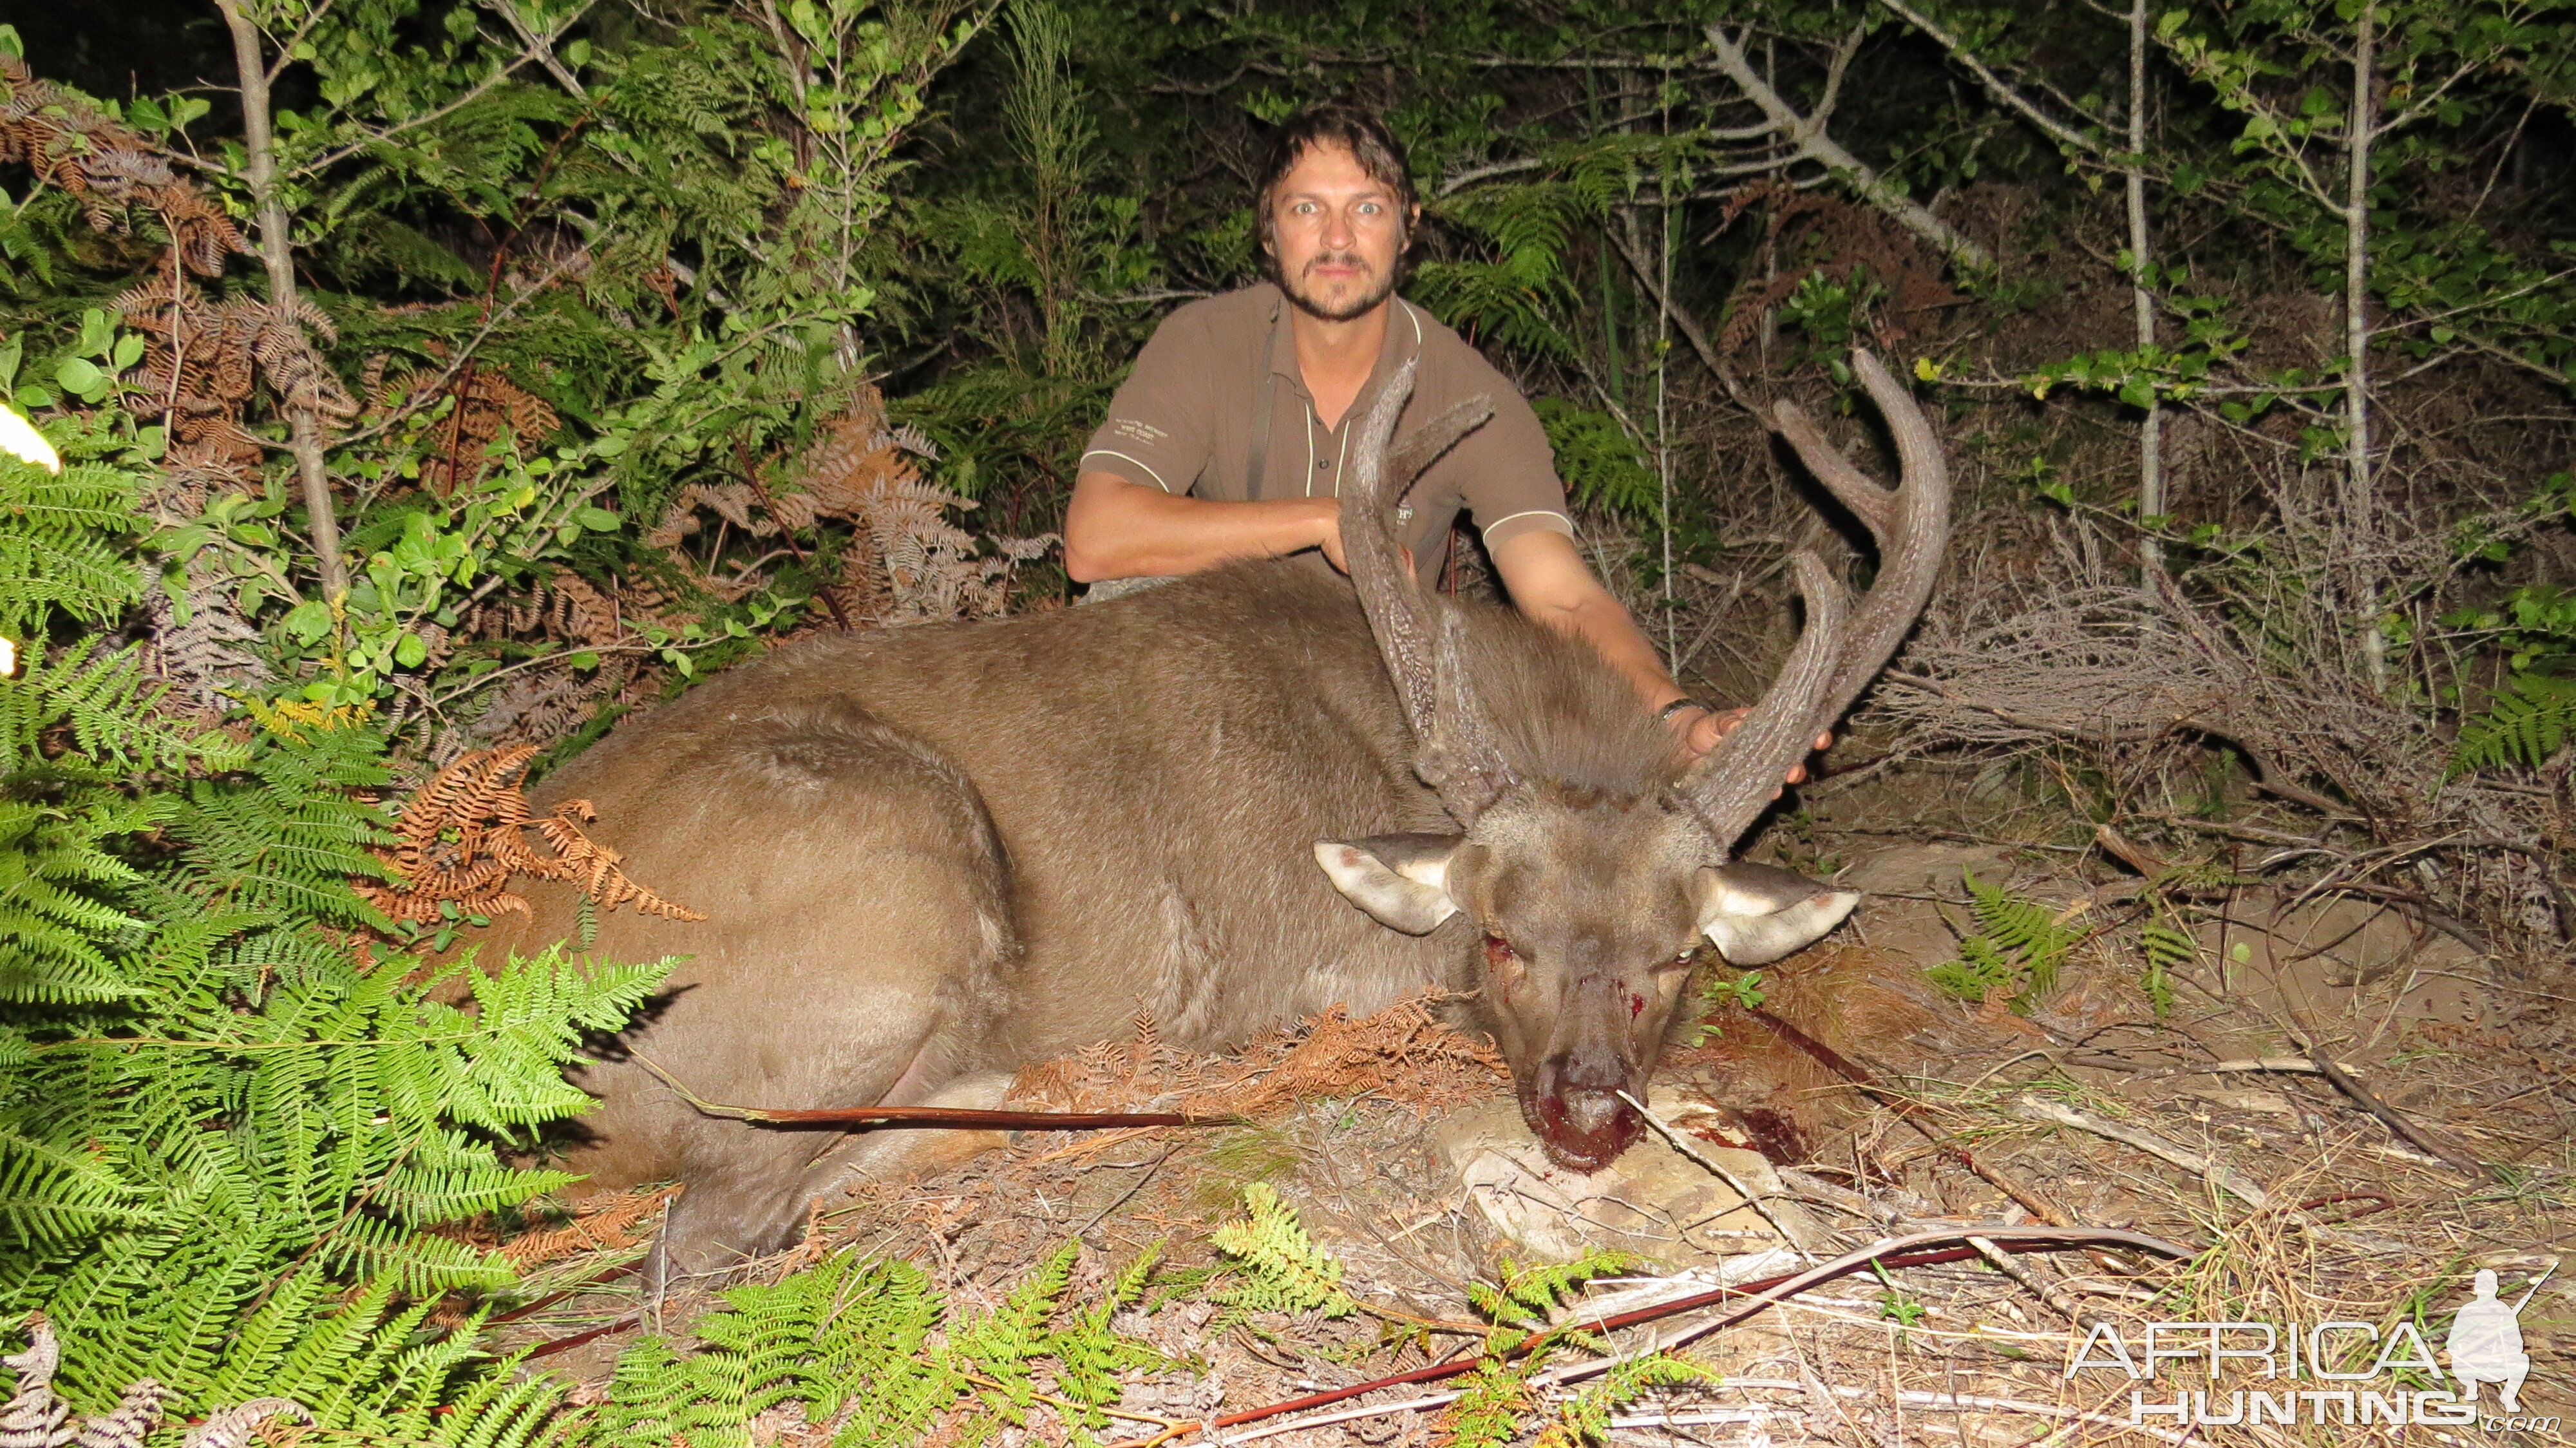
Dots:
{"x": 2361, "y": 1376}
{"x": 2486, "y": 1342}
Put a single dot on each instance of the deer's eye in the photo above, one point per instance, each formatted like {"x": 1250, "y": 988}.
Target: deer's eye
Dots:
{"x": 1499, "y": 954}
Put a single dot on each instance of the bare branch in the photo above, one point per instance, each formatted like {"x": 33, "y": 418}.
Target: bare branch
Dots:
{"x": 277, "y": 251}
{"x": 2057, "y": 130}
{"x": 1808, "y": 135}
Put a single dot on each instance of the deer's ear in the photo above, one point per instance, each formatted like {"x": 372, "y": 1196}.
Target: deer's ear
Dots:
{"x": 1400, "y": 880}
{"x": 1756, "y": 914}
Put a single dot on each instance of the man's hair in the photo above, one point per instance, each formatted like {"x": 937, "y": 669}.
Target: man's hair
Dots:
{"x": 1347, "y": 127}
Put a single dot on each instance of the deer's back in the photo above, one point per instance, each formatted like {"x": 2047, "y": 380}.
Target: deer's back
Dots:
{"x": 1157, "y": 770}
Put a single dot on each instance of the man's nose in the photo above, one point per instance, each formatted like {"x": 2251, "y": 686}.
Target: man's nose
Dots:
{"x": 1340, "y": 232}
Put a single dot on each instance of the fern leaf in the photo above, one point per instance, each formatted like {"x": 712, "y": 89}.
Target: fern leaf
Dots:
{"x": 2524, "y": 726}
{"x": 1278, "y": 1267}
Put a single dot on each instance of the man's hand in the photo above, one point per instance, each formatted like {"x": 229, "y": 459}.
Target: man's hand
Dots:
{"x": 1331, "y": 541}
{"x": 1701, "y": 730}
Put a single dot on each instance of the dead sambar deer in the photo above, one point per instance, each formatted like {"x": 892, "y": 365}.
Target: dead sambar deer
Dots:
{"x": 931, "y": 855}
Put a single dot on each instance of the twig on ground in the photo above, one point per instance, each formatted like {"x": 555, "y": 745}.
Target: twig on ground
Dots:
{"x": 1752, "y": 1198}
{"x": 1736, "y": 1304}
{"x": 2394, "y": 1120}
{"x": 2031, "y": 1282}
{"x": 2216, "y": 1173}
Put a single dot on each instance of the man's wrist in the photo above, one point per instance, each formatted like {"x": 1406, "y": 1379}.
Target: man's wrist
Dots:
{"x": 1685, "y": 702}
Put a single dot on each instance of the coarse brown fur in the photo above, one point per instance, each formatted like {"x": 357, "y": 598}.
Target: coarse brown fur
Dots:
{"x": 936, "y": 851}
{"x": 931, "y": 855}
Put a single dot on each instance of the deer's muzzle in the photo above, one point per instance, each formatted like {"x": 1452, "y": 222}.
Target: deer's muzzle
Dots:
{"x": 1574, "y": 1109}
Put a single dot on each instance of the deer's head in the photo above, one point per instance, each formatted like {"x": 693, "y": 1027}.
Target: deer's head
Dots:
{"x": 1594, "y": 865}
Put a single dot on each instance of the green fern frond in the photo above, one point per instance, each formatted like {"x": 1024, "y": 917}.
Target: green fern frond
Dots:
{"x": 1530, "y": 1295}
{"x": 1491, "y": 1403}
{"x": 2168, "y": 948}
{"x": 62, "y": 548}
{"x": 1278, "y": 1268}
{"x": 1586, "y": 1418}
{"x": 2524, "y": 726}
{"x": 2019, "y": 941}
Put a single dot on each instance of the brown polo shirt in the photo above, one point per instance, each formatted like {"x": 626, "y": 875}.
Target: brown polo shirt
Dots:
{"x": 1182, "y": 422}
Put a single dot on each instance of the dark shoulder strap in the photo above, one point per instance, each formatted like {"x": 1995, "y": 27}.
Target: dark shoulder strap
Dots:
{"x": 1263, "y": 393}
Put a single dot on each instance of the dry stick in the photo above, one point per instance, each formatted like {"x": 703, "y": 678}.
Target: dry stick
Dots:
{"x": 276, "y": 250}
{"x": 1743, "y": 1301}
{"x": 1743, "y": 1189}
{"x": 2215, "y": 1172}
{"x": 947, "y": 1116}
{"x": 2031, "y": 1282}
{"x": 1918, "y": 1116}
{"x": 2393, "y": 1119}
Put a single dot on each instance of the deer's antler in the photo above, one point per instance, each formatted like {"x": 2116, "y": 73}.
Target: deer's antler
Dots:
{"x": 1842, "y": 648}
{"x": 1420, "y": 637}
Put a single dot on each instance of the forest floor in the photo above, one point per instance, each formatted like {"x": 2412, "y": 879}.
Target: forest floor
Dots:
{"x": 2206, "y": 1123}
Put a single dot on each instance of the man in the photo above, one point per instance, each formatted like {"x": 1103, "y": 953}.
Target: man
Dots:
{"x": 2486, "y": 1344}
{"x": 1230, "y": 438}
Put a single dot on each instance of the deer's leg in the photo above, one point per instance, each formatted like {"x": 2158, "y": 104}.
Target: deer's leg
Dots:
{"x": 858, "y": 948}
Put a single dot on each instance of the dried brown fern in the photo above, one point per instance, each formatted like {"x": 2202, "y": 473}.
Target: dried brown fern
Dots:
{"x": 903, "y": 562}
{"x": 1404, "y": 1053}
{"x": 203, "y": 358}
{"x": 601, "y": 1223}
{"x": 463, "y": 836}
{"x": 109, "y": 168}
{"x": 485, "y": 400}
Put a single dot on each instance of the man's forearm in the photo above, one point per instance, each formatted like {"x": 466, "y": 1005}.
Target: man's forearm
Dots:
{"x": 1117, "y": 529}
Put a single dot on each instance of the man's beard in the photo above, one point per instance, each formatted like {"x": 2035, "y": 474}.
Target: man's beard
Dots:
{"x": 1357, "y": 306}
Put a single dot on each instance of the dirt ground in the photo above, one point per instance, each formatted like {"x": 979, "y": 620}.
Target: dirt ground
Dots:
{"x": 2207, "y": 1124}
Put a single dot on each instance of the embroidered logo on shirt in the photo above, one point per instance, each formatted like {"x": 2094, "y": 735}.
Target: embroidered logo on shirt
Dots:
{"x": 1134, "y": 431}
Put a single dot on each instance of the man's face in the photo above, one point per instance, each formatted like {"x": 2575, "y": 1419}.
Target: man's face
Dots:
{"x": 1335, "y": 231}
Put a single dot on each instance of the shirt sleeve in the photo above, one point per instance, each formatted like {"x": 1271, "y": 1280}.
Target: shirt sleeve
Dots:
{"x": 1506, "y": 473}
{"x": 1158, "y": 429}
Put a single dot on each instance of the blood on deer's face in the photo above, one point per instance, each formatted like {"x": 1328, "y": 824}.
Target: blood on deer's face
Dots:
{"x": 1583, "y": 905}
{"x": 1590, "y": 910}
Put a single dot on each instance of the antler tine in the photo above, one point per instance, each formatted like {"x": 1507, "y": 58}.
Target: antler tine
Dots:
{"x": 1421, "y": 641}
{"x": 1407, "y": 460}
{"x": 1730, "y": 786}
{"x": 1873, "y": 505}
{"x": 1911, "y": 527}
{"x": 1386, "y": 587}
{"x": 1843, "y": 646}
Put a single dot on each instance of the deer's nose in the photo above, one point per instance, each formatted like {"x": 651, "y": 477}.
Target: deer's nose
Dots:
{"x": 1576, "y": 1111}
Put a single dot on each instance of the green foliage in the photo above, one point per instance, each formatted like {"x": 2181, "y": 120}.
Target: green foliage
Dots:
{"x": 1529, "y": 1295}
{"x": 168, "y": 1161}
{"x": 1896, "y": 1305}
{"x": 869, "y": 1346}
{"x": 2019, "y": 944}
{"x": 2524, "y": 726}
{"x": 1496, "y": 1401}
{"x": 1585, "y": 1418}
{"x": 1277, "y": 1267}
{"x": 1597, "y": 458}
{"x": 2168, "y": 947}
